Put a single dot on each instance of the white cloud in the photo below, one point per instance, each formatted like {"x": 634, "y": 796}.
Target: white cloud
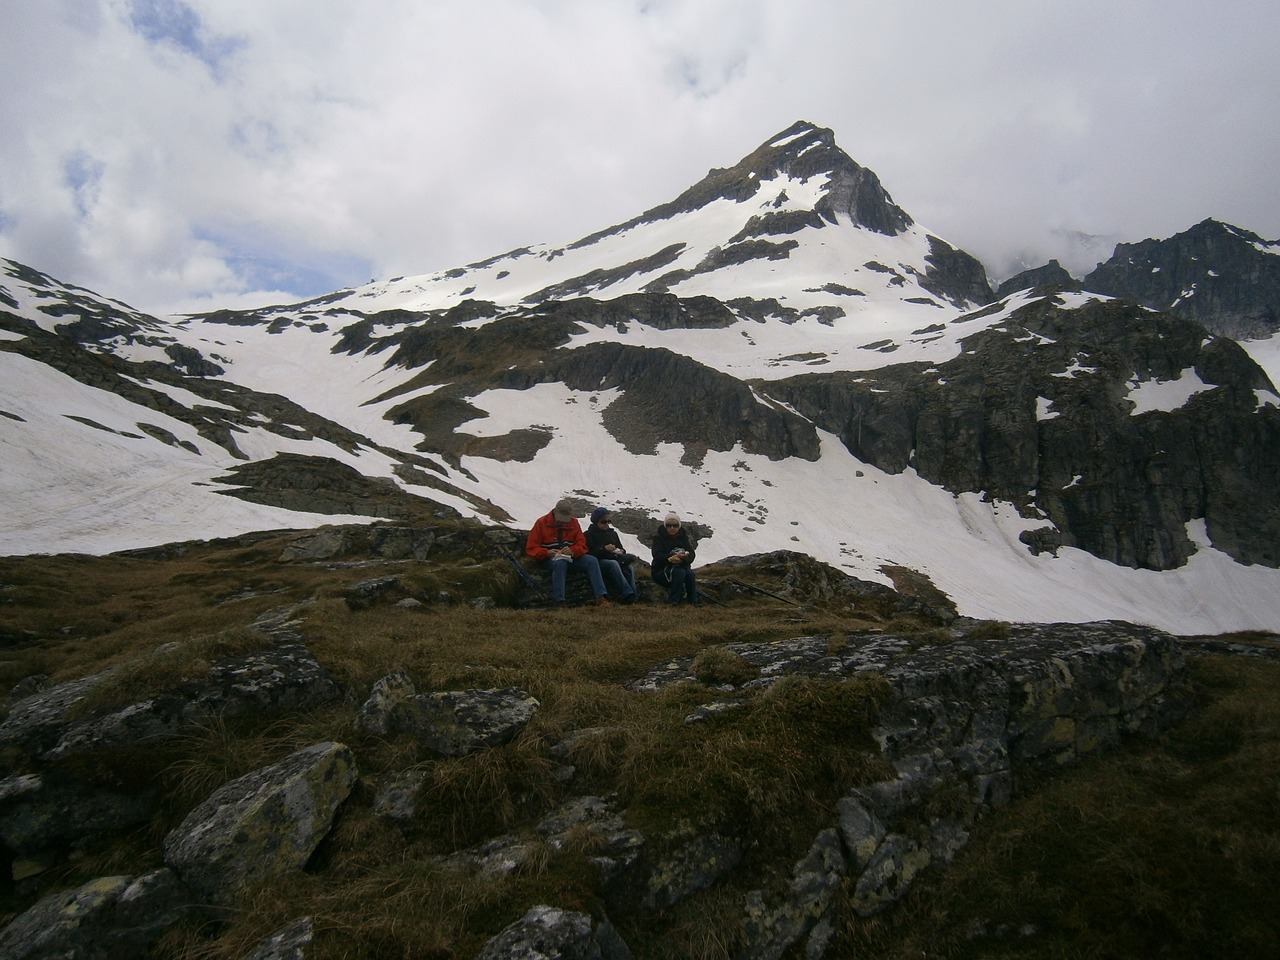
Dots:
{"x": 214, "y": 152}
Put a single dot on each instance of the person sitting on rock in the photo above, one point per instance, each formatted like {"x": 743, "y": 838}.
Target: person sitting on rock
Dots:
{"x": 556, "y": 542}
{"x": 606, "y": 547}
{"x": 673, "y": 554}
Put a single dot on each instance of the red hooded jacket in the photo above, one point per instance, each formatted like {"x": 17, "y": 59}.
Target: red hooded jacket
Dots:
{"x": 548, "y": 533}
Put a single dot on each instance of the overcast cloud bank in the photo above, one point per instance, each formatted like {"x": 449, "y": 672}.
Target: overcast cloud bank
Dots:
{"x": 229, "y": 153}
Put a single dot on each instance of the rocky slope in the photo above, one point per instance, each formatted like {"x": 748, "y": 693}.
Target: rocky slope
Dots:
{"x": 947, "y": 715}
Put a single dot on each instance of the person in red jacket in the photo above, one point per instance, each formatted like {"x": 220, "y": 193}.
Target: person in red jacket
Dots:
{"x": 557, "y": 541}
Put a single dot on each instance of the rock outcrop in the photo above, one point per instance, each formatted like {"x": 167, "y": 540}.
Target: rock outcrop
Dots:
{"x": 963, "y": 717}
{"x": 452, "y": 723}
{"x": 1052, "y": 275}
{"x": 549, "y": 933}
{"x": 262, "y": 825}
{"x": 54, "y": 723}
{"x": 288, "y": 943}
{"x": 107, "y": 919}
{"x": 959, "y": 714}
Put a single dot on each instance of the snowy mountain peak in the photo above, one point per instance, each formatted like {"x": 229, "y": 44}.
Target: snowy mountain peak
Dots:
{"x": 805, "y": 154}
{"x": 795, "y": 230}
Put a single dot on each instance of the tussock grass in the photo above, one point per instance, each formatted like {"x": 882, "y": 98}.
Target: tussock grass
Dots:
{"x": 1166, "y": 849}
{"x": 720, "y": 665}
{"x": 768, "y": 770}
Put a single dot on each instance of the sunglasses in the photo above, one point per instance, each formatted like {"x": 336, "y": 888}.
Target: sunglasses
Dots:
{"x": 673, "y": 526}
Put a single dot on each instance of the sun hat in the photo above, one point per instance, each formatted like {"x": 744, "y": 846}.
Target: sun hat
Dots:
{"x": 564, "y": 511}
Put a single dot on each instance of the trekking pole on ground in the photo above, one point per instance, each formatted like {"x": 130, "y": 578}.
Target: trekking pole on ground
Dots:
{"x": 765, "y": 592}
{"x": 707, "y": 596}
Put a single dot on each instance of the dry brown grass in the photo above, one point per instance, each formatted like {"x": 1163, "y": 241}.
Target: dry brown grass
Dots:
{"x": 1184, "y": 832}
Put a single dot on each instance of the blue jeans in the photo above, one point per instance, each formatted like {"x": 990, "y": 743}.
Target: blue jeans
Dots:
{"x": 681, "y": 581}
{"x": 584, "y": 564}
{"x": 621, "y": 576}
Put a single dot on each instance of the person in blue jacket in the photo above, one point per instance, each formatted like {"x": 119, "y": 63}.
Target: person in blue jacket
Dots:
{"x": 673, "y": 555}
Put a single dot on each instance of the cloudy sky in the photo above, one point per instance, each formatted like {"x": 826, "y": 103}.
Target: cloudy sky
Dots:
{"x": 194, "y": 154}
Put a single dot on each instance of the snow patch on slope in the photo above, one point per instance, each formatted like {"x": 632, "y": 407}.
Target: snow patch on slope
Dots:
{"x": 81, "y": 475}
{"x": 857, "y": 518}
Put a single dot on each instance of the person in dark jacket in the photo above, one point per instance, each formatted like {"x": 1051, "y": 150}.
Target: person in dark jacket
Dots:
{"x": 673, "y": 554}
{"x": 556, "y": 540}
{"x": 605, "y": 545}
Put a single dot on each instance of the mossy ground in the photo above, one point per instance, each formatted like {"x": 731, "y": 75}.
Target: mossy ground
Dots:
{"x": 1168, "y": 848}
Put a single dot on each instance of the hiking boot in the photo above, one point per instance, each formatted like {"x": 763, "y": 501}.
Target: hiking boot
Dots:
{"x": 603, "y": 602}
{"x": 629, "y": 599}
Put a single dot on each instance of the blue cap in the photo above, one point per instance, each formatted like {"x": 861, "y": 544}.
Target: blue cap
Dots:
{"x": 599, "y": 513}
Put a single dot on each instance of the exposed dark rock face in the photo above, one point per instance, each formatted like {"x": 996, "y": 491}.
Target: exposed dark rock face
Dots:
{"x": 1038, "y": 411}
{"x": 954, "y": 275}
{"x": 670, "y": 398}
{"x": 1226, "y": 278}
{"x": 665, "y": 397}
{"x": 192, "y": 362}
{"x": 604, "y": 277}
{"x": 658, "y": 310}
{"x": 323, "y": 485}
{"x": 1051, "y": 276}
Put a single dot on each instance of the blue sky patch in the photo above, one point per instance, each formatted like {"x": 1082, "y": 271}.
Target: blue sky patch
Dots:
{"x": 82, "y": 173}
{"x": 173, "y": 23}
{"x": 263, "y": 264}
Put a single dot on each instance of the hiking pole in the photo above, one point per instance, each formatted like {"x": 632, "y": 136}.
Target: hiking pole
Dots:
{"x": 524, "y": 574}
{"x": 706, "y": 596}
{"x": 765, "y": 592}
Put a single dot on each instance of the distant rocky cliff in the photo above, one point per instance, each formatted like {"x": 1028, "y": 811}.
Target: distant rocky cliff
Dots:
{"x": 1222, "y": 276}
{"x": 1064, "y": 412}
